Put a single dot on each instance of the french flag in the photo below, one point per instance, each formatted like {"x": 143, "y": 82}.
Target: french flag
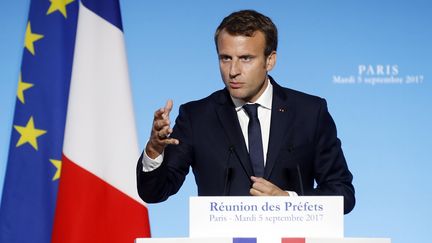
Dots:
{"x": 97, "y": 198}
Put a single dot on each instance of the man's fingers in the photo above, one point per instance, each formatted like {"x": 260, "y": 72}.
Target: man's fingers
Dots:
{"x": 164, "y": 133}
{"x": 263, "y": 187}
{"x": 166, "y": 141}
{"x": 260, "y": 180}
{"x": 161, "y": 131}
{"x": 169, "y": 105}
{"x": 255, "y": 192}
{"x": 167, "y": 109}
{"x": 257, "y": 186}
{"x": 257, "y": 179}
{"x": 158, "y": 114}
{"x": 161, "y": 124}
{"x": 172, "y": 141}
{"x": 163, "y": 113}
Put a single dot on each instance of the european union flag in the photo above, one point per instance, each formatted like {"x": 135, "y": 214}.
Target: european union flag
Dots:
{"x": 34, "y": 162}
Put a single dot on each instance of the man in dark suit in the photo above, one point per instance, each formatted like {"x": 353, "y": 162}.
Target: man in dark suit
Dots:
{"x": 252, "y": 138}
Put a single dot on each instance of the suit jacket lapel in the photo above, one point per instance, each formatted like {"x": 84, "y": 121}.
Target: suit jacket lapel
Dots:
{"x": 281, "y": 118}
{"x": 229, "y": 120}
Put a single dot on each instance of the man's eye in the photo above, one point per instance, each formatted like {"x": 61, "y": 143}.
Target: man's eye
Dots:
{"x": 225, "y": 58}
{"x": 246, "y": 58}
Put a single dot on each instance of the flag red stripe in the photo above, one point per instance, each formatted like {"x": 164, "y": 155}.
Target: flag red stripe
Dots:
{"x": 91, "y": 210}
{"x": 293, "y": 240}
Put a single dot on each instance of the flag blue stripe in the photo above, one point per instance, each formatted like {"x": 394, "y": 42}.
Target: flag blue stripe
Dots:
{"x": 106, "y": 9}
{"x": 244, "y": 240}
{"x": 29, "y": 194}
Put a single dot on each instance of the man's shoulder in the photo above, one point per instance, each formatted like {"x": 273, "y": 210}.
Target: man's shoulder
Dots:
{"x": 296, "y": 96}
{"x": 215, "y": 97}
{"x": 219, "y": 96}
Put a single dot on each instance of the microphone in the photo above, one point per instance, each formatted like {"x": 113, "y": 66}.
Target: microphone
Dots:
{"x": 299, "y": 174}
{"x": 228, "y": 172}
{"x": 300, "y": 180}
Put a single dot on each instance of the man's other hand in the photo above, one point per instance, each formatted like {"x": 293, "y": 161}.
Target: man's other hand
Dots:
{"x": 263, "y": 187}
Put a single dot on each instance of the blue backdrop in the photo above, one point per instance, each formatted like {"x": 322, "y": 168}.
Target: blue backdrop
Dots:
{"x": 371, "y": 60}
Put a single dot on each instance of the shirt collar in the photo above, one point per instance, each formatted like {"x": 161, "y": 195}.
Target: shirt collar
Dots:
{"x": 265, "y": 100}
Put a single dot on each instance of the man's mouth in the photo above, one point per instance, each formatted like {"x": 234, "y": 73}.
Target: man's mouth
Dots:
{"x": 235, "y": 85}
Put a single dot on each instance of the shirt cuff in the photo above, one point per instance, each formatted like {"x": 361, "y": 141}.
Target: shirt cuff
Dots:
{"x": 292, "y": 193}
{"x": 150, "y": 164}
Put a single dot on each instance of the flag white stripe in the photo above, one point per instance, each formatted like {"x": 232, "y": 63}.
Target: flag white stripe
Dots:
{"x": 100, "y": 129}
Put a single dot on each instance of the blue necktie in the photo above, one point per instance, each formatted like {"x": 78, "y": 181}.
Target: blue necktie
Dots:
{"x": 256, "y": 153}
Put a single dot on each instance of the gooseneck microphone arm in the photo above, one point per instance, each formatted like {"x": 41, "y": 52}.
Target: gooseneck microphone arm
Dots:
{"x": 228, "y": 173}
{"x": 300, "y": 180}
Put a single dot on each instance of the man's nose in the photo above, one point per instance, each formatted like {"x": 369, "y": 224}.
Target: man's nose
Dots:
{"x": 234, "y": 69}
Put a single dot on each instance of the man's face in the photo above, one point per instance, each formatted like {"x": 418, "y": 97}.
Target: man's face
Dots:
{"x": 243, "y": 65}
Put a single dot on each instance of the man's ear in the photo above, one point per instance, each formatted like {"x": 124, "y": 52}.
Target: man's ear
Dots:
{"x": 271, "y": 61}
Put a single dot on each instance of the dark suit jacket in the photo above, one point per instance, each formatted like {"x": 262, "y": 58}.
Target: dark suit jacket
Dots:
{"x": 303, "y": 148}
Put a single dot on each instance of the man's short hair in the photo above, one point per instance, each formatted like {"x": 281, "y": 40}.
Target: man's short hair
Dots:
{"x": 246, "y": 23}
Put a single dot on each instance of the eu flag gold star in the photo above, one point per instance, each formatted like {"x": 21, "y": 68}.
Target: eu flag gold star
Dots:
{"x": 59, "y": 5}
{"x": 57, "y": 164}
{"x": 29, "y": 134}
{"x": 30, "y": 38}
{"x": 22, "y": 86}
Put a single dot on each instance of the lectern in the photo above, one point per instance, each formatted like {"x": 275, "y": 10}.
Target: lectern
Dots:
{"x": 305, "y": 219}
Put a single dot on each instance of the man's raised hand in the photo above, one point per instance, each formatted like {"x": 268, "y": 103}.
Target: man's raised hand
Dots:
{"x": 161, "y": 131}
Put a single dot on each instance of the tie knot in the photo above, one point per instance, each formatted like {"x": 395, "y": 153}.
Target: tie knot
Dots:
{"x": 251, "y": 110}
